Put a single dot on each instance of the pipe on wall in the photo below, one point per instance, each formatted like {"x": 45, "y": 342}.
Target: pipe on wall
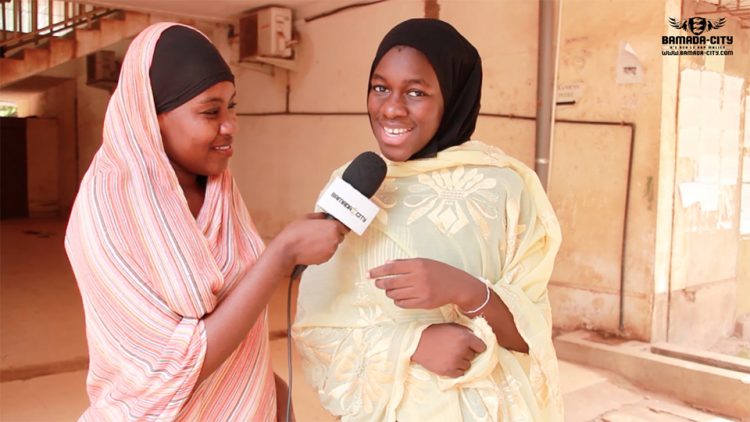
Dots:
{"x": 545, "y": 84}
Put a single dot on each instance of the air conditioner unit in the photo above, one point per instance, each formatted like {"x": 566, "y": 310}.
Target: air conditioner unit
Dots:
{"x": 266, "y": 33}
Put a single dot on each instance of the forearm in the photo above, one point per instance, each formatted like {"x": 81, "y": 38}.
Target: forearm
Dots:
{"x": 231, "y": 320}
{"x": 496, "y": 313}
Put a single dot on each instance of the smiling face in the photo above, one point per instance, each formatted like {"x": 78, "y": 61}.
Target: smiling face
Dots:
{"x": 198, "y": 135}
{"x": 404, "y": 103}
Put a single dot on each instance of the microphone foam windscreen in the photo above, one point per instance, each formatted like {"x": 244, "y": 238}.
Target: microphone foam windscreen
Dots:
{"x": 366, "y": 173}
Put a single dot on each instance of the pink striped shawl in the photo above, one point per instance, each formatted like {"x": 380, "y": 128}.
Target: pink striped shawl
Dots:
{"x": 148, "y": 272}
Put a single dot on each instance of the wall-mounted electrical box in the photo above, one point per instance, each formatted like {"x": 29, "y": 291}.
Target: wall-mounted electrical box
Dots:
{"x": 102, "y": 69}
{"x": 266, "y": 33}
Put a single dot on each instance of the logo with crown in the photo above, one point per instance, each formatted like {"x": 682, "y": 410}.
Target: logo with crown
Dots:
{"x": 697, "y": 25}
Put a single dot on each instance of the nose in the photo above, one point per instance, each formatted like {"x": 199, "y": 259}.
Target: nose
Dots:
{"x": 394, "y": 107}
{"x": 229, "y": 125}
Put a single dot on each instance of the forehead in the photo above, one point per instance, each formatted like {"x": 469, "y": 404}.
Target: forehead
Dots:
{"x": 405, "y": 61}
{"x": 220, "y": 91}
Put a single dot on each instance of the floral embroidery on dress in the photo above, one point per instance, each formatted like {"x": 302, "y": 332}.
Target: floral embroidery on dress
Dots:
{"x": 446, "y": 196}
{"x": 363, "y": 369}
{"x": 385, "y": 198}
{"x": 317, "y": 348}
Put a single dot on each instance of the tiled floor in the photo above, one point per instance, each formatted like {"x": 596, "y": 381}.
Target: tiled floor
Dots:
{"x": 43, "y": 348}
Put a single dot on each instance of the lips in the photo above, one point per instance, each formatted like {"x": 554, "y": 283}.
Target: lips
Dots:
{"x": 396, "y": 131}
{"x": 224, "y": 149}
{"x": 395, "y": 135}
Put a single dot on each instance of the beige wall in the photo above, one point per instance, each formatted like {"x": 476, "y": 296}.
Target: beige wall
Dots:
{"x": 705, "y": 276}
{"x": 42, "y": 146}
{"x": 743, "y": 276}
{"x": 592, "y": 35}
{"x": 58, "y": 103}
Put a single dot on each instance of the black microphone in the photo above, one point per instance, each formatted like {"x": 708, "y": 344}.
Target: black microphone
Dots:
{"x": 365, "y": 174}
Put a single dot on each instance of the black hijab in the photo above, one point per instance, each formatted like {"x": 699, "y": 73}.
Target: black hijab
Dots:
{"x": 459, "y": 71}
{"x": 184, "y": 64}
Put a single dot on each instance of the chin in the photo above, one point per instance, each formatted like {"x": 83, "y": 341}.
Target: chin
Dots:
{"x": 396, "y": 156}
{"x": 393, "y": 154}
{"x": 215, "y": 171}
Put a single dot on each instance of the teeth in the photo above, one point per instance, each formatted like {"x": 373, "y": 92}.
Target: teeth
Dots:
{"x": 223, "y": 148}
{"x": 396, "y": 131}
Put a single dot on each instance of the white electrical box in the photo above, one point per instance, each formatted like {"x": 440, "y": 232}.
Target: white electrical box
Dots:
{"x": 266, "y": 33}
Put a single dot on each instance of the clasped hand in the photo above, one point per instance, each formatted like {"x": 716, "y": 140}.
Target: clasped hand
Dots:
{"x": 445, "y": 349}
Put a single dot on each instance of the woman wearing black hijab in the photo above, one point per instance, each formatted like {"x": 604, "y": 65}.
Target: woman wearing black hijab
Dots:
{"x": 174, "y": 278}
{"x": 440, "y": 310}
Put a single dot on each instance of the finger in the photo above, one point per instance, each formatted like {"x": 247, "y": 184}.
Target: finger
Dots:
{"x": 476, "y": 344}
{"x": 455, "y": 373}
{"x": 400, "y": 294}
{"x": 408, "y": 303}
{"x": 393, "y": 267}
{"x": 469, "y": 354}
{"x": 315, "y": 216}
{"x": 464, "y": 365}
{"x": 341, "y": 227}
{"x": 392, "y": 282}
{"x": 340, "y": 235}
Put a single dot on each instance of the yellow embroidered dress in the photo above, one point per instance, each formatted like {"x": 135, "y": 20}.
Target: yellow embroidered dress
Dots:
{"x": 474, "y": 208}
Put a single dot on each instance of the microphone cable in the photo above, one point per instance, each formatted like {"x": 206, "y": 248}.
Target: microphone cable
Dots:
{"x": 289, "y": 347}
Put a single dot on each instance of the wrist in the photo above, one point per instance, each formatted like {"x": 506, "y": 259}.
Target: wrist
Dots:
{"x": 283, "y": 253}
{"x": 476, "y": 295}
{"x": 471, "y": 294}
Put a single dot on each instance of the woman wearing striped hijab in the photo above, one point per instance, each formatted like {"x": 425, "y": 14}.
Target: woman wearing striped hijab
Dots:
{"x": 173, "y": 276}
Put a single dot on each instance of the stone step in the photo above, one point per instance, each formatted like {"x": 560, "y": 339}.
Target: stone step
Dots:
{"x": 716, "y": 389}
{"x": 83, "y": 41}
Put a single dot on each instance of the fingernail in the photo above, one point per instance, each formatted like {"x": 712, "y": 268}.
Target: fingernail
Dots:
{"x": 368, "y": 275}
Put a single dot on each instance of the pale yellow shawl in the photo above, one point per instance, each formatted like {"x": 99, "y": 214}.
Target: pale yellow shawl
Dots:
{"x": 472, "y": 207}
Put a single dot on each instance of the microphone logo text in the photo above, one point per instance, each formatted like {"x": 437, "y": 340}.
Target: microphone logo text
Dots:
{"x": 348, "y": 206}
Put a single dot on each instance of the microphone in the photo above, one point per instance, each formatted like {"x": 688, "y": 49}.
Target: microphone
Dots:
{"x": 350, "y": 206}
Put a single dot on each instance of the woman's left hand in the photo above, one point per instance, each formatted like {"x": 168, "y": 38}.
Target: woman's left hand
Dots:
{"x": 426, "y": 284}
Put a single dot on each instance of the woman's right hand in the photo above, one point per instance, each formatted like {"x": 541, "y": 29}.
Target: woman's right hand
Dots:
{"x": 310, "y": 240}
{"x": 447, "y": 349}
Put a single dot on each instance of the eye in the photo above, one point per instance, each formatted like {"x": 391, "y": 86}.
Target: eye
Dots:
{"x": 232, "y": 105}
{"x": 211, "y": 112}
{"x": 379, "y": 89}
{"x": 416, "y": 93}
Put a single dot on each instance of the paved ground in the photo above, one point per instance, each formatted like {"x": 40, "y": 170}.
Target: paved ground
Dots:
{"x": 43, "y": 348}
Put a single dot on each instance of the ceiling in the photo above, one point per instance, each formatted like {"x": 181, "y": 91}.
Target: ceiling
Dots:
{"x": 223, "y": 10}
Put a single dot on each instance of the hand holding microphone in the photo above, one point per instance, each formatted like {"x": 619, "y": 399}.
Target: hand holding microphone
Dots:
{"x": 347, "y": 199}
{"x": 309, "y": 240}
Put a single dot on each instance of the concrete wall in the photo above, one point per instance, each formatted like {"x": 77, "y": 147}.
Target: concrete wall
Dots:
{"x": 743, "y": 277}
{"x": 42, "y": 153}
{"x": 706, "y": 242}
{"x": 585, "y": 288}
{"x": 58, "y": 103}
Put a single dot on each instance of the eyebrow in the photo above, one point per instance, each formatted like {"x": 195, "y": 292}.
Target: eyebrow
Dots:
{"x": 419, "y": 81}
{"x": 217, "y": 99}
